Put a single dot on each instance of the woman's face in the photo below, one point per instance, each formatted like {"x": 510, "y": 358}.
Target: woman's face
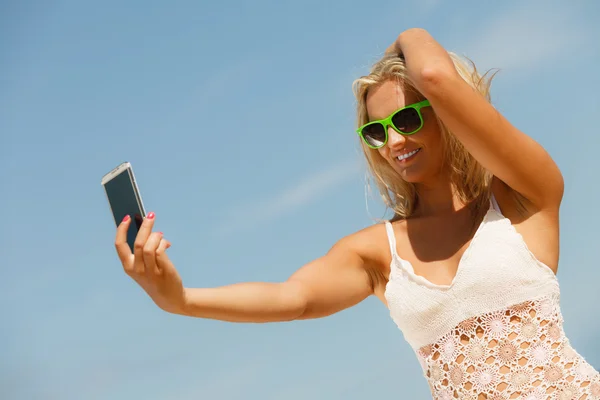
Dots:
{"x": 427, "y": 161}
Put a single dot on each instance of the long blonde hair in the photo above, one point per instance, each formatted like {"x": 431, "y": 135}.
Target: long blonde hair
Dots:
{"x": 470, "y": 181}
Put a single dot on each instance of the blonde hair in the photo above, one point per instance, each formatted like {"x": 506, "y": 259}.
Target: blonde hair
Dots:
{"x": 469, "y": 180}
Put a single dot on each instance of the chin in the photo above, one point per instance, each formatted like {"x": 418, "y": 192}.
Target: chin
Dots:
{"x": 413, "y": 175}
{"x": 420, "y": 173}
{"x": 413, "y": 178}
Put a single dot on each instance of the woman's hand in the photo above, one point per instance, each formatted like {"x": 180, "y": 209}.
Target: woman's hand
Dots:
{"x": 150, "y": 266}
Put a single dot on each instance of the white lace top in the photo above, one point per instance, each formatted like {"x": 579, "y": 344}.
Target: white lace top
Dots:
{"x": 496, "y": 331}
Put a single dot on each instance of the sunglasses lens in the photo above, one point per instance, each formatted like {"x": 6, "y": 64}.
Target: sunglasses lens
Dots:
{"x": 374, "y": 134}
{"x": 407, "y": 120}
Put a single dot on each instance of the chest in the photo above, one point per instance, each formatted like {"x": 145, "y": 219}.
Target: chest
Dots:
{"x": 495, "y": 270}
{"x": 434, "y": 248}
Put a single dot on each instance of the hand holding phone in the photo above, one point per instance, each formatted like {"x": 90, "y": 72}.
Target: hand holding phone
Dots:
{"x": 141, "y": 251}
{"x": 150, "y": 266}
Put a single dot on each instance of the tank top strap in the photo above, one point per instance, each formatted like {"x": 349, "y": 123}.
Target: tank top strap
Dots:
{"x": 391, "y": 238}
{"x": 494, "y": 204}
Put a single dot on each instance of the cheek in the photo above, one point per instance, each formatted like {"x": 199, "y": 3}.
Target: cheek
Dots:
{"x": 431, "y": 137}
{"x": 384, "y": 152}
{"x": 435, "y": 148}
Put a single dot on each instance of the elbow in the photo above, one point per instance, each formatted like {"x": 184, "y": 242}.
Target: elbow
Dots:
{"x": 550, "y": 189}
{"x": 560, "y": 185}
{"x": 556, "y": 191}
{"x": 298, "y": 311}
{"x": 295, "y": 301}
{"x": 432, "y": 80}
{"x": 431, "y": 75}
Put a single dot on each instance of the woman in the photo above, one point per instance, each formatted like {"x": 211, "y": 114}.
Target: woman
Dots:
{"x": 467, "y": 265}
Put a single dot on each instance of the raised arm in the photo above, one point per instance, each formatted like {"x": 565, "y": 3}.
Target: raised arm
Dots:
{"x": 509, "y": 154}
{"x": 336, "y": 281}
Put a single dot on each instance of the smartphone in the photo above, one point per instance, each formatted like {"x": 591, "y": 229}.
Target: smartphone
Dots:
{"x": 124, "y": 198}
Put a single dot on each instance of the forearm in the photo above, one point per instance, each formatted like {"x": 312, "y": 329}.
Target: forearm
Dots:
{"x": 488, "y": 136}
{"x": 246, "y": 302}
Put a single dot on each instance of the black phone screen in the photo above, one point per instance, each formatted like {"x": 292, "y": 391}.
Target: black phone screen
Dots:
{"x": 124, "y": 200}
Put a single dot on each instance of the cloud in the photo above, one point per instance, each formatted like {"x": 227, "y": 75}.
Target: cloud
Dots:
{"x": 527, "y": 36}
{"x": 292, "y": 198}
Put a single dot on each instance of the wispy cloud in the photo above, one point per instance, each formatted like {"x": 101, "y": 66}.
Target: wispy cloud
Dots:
{"x": 254, "y": 212}
{"x": 528, "y": 35}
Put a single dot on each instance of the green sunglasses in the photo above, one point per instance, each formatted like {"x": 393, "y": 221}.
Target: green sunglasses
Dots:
{"x": 406, "y": 121}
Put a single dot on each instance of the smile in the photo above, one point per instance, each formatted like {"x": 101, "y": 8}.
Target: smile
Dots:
{"x": 407, "y": 155}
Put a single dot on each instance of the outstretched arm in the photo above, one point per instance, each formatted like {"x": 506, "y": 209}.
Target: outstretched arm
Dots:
{"x": 509, "y": 154}
{"x": 336, "y": 281}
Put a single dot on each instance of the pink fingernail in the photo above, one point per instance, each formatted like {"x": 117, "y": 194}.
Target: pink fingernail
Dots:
{"x": 150, "y": 216}
{"x": 126, "y": 218}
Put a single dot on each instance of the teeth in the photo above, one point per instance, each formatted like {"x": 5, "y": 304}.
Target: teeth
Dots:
{"x": 405, "y": 156}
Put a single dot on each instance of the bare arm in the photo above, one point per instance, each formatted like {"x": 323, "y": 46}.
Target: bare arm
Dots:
{"x": 327, "y": 285}
{"x": 509, "y": 154}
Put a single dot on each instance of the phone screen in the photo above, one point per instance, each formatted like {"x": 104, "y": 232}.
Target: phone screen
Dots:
{"x": 124, "y": 200}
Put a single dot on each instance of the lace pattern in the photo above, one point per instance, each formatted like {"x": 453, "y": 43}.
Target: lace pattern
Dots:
{"x": 517, "y": 353}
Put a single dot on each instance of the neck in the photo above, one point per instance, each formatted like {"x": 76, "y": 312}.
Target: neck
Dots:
{"x": 436, "y": 199}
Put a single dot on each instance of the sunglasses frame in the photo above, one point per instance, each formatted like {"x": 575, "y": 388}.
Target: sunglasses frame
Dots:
{"x": 387, "y": 122}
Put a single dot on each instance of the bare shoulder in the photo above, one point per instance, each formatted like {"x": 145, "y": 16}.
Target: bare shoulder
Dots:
{"x": 539, "y": 227}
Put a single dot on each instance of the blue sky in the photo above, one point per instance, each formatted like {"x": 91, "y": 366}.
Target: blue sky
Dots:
{"x": 238, "y": 119}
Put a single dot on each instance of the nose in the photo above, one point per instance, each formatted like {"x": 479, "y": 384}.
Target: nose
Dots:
{"x": 395, "y": 141}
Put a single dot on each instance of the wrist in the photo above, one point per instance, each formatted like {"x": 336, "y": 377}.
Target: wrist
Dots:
{"x": 412, "y": 34}
{"x": 405, "y": 39}
{"x": 184, "y": 306}
{"x": 179, "y": 306}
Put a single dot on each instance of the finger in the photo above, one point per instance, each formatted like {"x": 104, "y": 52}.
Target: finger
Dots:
{"x": 123, "y": 250}
{"x": 140, "y": 241}
{"x": 167, "y": 244}
{"x": 150, "y": 252}
{"x": 163, "y": 264}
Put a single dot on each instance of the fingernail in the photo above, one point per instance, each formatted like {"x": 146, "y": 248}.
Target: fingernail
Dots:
{"x": 150, "y": 216}
{"x": 126, "y": 218}
{"x": 160, "y": 233}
